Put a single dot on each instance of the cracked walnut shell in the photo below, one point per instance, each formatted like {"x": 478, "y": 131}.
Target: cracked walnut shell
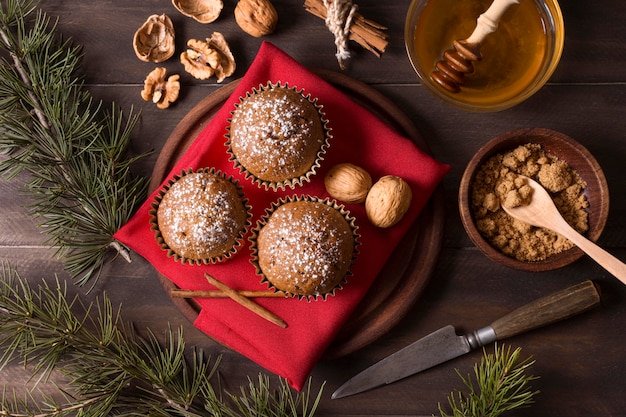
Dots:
{"x": 256, "y": 17}
{"x": 204, "y": 11}
{"x": 205, "y": 59}
{"x": 154, "y": 40}
{"x": 160, "y": 90}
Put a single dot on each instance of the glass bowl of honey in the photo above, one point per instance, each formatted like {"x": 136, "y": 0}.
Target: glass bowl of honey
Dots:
{"x": 517, "y": 59}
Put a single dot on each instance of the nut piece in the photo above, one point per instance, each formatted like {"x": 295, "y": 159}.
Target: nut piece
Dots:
{"x": 203, "y": 59}
{"x": 256, "y": 17}
{"x": 348, "y": 183}
{"x": 204, "y": 11}
{"x": 160, "y": 91}
{"x": 154, "y": 40}
{"x": 387, "y": 201}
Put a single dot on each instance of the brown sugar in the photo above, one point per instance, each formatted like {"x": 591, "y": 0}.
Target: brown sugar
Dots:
{"x": 497, "y": 182}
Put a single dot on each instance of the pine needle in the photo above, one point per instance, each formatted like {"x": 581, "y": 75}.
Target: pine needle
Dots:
{"x": 500, "y": 384}
{"x": 73, "y": 151}
{"x": 111, "y": 369}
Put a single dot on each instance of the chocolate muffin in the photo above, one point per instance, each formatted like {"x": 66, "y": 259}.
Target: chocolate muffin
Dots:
{"x": 305, "y": 247}
{"x": 200, "y": 217}
{"x": 277, "y": 136}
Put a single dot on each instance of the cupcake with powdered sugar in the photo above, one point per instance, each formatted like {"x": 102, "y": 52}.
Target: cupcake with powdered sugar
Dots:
{"x": 200, "y": 217}
{"x": 305, "y": 247}
{"x": 277, "y": 136}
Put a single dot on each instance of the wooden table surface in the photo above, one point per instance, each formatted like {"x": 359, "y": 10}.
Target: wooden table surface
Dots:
{"x": 580, "y": 362}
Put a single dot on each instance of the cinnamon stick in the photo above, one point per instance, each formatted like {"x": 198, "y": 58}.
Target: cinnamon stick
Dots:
{"x": 246, "y": 302}
{"x": 176, "y": 293}
{"x": 367, "y": 33}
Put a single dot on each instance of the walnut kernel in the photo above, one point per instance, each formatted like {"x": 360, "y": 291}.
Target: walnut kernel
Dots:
{"x": 154, "y": 40}
{"x": 205, "y": 59}
{"x": 159, "y": 90}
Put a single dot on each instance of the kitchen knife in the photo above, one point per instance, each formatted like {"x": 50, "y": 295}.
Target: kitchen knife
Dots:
{"x": 444, "y": 344}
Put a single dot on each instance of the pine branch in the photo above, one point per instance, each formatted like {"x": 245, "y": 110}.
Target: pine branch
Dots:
{"x": 500, "y": 385}
{"x": 283, "y": 403}
{"x": 73, "y": 151}
{"x": 111, "y": 369}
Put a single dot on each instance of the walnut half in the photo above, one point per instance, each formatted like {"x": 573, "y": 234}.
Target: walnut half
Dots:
{"x": 204, "y": 11}
{"x": 205, "y": 59}
{"x": 154, "y": 40}
{"x": 159, "y": 90}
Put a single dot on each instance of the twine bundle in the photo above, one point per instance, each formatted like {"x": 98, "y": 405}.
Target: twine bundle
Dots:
{"x": 339, "y": 16}
{"x": 346, "y": 23}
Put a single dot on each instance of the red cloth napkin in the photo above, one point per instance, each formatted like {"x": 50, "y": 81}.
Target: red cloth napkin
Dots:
{"x": 358, "y": 137}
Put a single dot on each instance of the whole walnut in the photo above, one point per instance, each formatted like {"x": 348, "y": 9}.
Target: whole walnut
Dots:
{"x": 387, "y": 201}
{"x": 348, "y": 183}
{"x": 256, "y": 17}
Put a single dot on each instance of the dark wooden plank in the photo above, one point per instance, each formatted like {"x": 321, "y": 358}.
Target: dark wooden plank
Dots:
{"x": 17, "y": 227}
{"x": 579, "y": 361}
{"x": 594, "y": 49}
{"x": 472, "y": 299}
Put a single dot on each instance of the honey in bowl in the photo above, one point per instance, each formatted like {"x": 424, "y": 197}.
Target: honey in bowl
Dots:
{"x": 517, "y": 59}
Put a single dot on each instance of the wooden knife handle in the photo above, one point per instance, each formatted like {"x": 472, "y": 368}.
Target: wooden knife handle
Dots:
{"x": 558, "y": 306}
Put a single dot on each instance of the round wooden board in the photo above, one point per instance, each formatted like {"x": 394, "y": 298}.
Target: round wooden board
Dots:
{"x": 407, "y": 271}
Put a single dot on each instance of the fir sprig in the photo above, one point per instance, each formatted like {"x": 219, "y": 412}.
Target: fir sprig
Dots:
{"x": 73, "y": 149}
{"x": 112, "y": 370}
{"x": 500, "y": 385}
{"x": 280, "y": 403}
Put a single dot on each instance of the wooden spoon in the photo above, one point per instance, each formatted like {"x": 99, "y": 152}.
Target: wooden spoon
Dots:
{"x": 542, "y": 212}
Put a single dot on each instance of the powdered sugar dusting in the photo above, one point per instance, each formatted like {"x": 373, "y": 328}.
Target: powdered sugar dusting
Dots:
{"x": 201, "y": 216}
{"x": 276, "y": 134}
{"x": 305, "y": 248}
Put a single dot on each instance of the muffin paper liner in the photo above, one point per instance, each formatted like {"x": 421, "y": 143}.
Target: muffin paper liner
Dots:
{"x": 154, "y": 225}
{"x": 292, "y": 183}
{"x": 264, "y": 219}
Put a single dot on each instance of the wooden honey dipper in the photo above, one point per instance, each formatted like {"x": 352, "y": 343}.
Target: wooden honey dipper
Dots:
{"x": 450, "y": 71}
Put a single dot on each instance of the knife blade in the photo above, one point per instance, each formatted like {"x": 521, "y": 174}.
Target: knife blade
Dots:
{"x": 445, "y": 344}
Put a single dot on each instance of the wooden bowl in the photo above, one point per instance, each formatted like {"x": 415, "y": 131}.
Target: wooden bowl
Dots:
{"x": 566, "y": 149}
